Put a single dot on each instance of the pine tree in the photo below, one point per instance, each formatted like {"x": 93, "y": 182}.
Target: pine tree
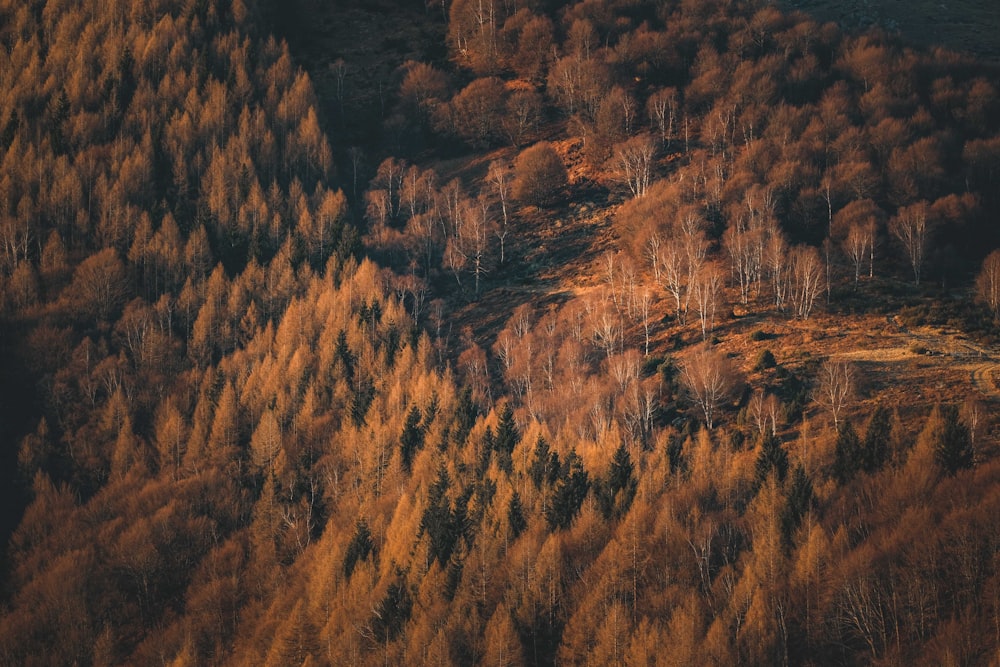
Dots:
{"x": 877, "y": 438}
{"x": 439, "y": 522}
{"x": 392, "y": 612}
{"x": 772, "y": 456}
{"x": 953, "y": 448}
{"x": 412, "y": 439}
{"x": 507, "y": 433}
{"x": 361, "y": 400}
{"x": 507, "y": 437}
{"x": 544, "y": 467}
{"x": 848, "y": 456}
{"x": 344, "y": 354}
{"x": 675, "y": 455}
{"x": 359, "y": 548}
{"x": 797, "y": 503}
{"x": 616, "y": 494}
{"x": 486, "y": 451}
{"x": 465, "y": 416}
{"x": 515, "y": 516}
{"x": 569, "y": 493}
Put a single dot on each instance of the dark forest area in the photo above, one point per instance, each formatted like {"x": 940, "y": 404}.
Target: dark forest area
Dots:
{"x": 452, "y": 332}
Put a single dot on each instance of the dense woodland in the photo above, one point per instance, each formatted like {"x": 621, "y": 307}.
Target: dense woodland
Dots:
{"x": 251, "y": 417}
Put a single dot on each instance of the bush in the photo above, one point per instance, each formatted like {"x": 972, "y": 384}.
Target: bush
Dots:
{"x": 758, "y": 336}
{"x": 765, "y": 359}
{"x": 539, "y": 174}
{"x": 652, "y": 364}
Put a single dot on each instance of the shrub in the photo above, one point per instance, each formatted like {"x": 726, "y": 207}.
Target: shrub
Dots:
{"x": 758, "y": 336}
{"x": 539, "y": 174}
{"x": 765, "y": 359}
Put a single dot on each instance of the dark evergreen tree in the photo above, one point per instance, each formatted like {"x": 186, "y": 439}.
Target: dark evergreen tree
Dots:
{"x": 359, "y": 548}
{"x": 675, "y": 455}
{"x": 485, "y": 490}
{"x": 515, "y": 516}
{"x": 462, "y": 524}
{"x": 344, "y": 354}
{"x": 545, "y": 465}
{"x": 848, "y": 456}
{"x": 953, "y": 450}
{"x": 391, "y": 345}
{"x": 465, "y": 416}
{"x": 453, "y": 577}
{"x": 392, "y": 612}
{"x": 486, "y": 451}
{"x": 615, "y": 495}
{"x": 772, "y": 457}
{"x": 877, "y": 438}
{"x": 361, "y": 400}
{"x": 412, "y": 439}
{"x": 438, "y": 521}
{"x": 430, "y": 412}
{"x": 507, "y": 433}
{"x": 568, "y": 494}
{"x": 797, "y": 503}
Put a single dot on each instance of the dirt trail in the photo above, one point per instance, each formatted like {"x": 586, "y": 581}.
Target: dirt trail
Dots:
{"x": 936, "y": 347}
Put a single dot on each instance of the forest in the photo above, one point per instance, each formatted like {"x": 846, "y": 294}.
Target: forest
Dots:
{"x": 501, "y": 332}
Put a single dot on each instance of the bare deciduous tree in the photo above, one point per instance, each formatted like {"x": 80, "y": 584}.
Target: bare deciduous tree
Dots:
{"x": 805, "y": 279}
{"x": 709, "y": 378}
{"x": 974, "y": 415}
{"x": 911, "y": 227}
{"x": 389, "y": 177}
{"x": 706, "y": 288}
{"x": 662, "y": 109}
{"x": 99, "y": 284}
{"x": 745, "y": 249}
{"x": 776, "y": 256}
{"x": 835, "y": 387}
{"x": 671, "y": 259}
{"x": 645, "y": 313}
{"x": 988, "y": 282}
{"x": 499, "y": 176}
{"x": 766, "y": 411}
{"x": 524, "y": 113}
{"x": 858, "y": 244}
{"x": 539, "y": 174}
{"x": 634, "y": 158}
{"x": 477, "y": 112}
{"x": 481, "y": 227}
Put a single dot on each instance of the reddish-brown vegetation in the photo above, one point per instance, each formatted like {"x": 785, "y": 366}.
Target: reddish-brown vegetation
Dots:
{"x": 632, "y": 390}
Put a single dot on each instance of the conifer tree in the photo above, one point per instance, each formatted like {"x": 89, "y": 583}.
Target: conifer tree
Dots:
{"x": 507, "y": 435}
{"x": 568, "y": 494}
{"x": 615, "y": 495}
{"x": 772, "y": 456}
{"x": 953, "y": 447}
{"x": 848, "y": 456}
{"x": 438, "y": 521}
{"x": 797, "y": 503}
{"x": 545, "y": 465}
{"x": 515, "y": 516}
{"x": 412, "y": 439}
{"x": 877, "y": 438}
{"x": 359, "y": 548}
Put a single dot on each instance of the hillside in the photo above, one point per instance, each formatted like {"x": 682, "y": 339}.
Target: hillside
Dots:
{"x": 963, "y": 25}
{"x": 603, "y": 332}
